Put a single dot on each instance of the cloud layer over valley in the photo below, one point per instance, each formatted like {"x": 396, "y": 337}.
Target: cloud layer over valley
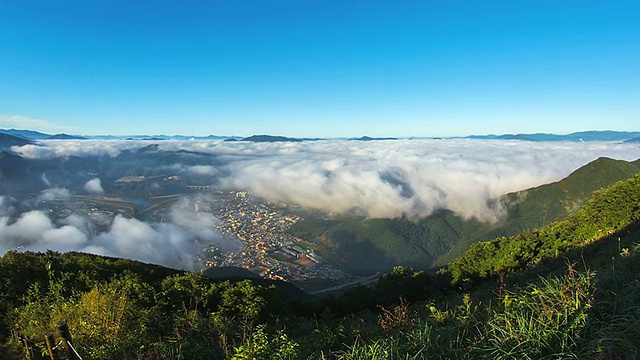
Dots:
{"x": 410, "y": 178}
{"x": 377, "y": 179}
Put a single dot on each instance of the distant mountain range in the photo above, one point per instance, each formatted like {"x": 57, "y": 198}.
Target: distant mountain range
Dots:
{"x": 270, "y": 138}
{"x": 626, "y": 136}
{"x": 576, "y": 136}
{"x": 65, "y": 137}
{"x": 367, "y": 138}
{"x": 35, "y": 135}
{"x": 25, "y": 134}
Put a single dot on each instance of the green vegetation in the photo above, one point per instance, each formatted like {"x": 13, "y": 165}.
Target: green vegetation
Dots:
{"x": 548, "y": 203}
{"x": 608, "y": 211}
{"x": 370, "y": 245}
{"x": 143, "y": 311}
{"x": 568, "y": 290}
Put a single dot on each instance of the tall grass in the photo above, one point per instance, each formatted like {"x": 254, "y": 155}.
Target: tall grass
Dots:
{"x": 545, "y": 320}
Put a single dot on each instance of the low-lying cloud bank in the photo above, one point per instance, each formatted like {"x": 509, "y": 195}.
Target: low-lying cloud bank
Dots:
{"x": 173, "y": 244}
{"x": 411, "y": 178}
{"x": 377, "y": 179}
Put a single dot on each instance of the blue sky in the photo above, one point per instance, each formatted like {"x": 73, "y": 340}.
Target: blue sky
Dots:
{"x": 312, "y": 68}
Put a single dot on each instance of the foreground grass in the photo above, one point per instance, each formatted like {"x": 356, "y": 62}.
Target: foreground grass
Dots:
{"x": 578, "y": 315}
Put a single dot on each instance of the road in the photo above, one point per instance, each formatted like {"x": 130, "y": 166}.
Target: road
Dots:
{"x": 366, "y": 281}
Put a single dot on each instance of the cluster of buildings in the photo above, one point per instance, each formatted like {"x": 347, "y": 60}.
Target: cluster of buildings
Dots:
{"x": 267, "y": 247}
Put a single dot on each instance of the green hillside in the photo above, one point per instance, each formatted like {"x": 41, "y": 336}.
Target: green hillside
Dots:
{"x": 370, "y": 245}
{"x": 539, "y": 206}
{"x": 609, "y": 211}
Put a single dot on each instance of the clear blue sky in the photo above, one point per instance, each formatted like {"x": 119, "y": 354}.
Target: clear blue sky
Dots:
{"x": 319, "y": 68}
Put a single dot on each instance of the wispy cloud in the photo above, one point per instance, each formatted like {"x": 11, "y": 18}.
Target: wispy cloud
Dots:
{"x": 24, "y": 122}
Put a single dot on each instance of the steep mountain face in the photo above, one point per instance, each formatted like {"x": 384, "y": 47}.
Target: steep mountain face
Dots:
{"x": 21, "y": 175}
{"x": 609, "y": 211}
{"x": 11, "y": 166}
{"x": 371, "y": 245}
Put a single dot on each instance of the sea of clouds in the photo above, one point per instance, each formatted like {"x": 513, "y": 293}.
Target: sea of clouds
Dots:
{"x": 388, "y": 179}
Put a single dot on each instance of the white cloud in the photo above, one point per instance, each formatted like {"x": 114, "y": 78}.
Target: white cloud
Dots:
{"x": 65, "y": 238}
{"x": 94, "y": 186}
{"x": 173, "y": 244}
{"x": 26, "y": 230}
{"x": 163, "y": 244}
{"x": 409, "y": 177}
{"x": 202, "y": 170}
{"x": 24, "y": 122}
{"x": 54, "y": 194}
{"x": 49, "y": 149}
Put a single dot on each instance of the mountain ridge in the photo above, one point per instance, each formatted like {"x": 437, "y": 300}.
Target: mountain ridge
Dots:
{"x": 592, "y": 135}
